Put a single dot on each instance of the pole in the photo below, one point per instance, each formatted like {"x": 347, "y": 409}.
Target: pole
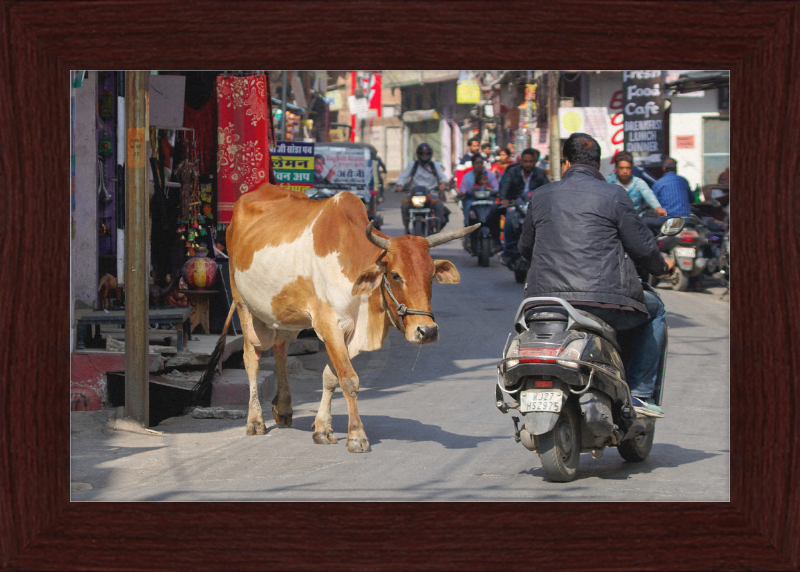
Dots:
{"x": 284, "y": 93}
{"x": 555, "y": 139}
{"x": 137, "y": 206}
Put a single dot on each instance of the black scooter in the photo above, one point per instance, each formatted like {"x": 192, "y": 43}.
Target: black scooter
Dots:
{"x": 515, "y": 216}
{"x": 483, "y": 209}
{"x": 564, "y": 372}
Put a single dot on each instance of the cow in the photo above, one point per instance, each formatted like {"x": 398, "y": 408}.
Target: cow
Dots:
{"x": 297, "y": 263}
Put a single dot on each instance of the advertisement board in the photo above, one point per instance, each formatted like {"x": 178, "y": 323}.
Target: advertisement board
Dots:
{"x": 342, "y": 168}
{"x": 293, "y": 163}
{"x": 643, "y": 111}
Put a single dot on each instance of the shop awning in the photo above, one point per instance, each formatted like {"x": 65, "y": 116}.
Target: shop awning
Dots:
{"x": 420, "y": 115}
{"x": 699, "y": 81}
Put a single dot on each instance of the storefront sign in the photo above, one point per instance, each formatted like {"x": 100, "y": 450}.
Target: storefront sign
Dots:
{"x": 643, "y": 109}
{"x": 590, "y": 120}
{"x": 468, "y": 91}
{"x": 293, "y": 163}
{"x": 334, "y": 100}
{"x": 684, "y": 141}
{"x": 342, "y": 167}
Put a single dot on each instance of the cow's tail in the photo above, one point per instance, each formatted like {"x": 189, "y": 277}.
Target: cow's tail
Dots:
{"x": 201, "y": 392}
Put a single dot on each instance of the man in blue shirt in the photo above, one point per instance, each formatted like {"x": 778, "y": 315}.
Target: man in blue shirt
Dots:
{"x": 637, "y": 189}
{"x": 672, "y": 190}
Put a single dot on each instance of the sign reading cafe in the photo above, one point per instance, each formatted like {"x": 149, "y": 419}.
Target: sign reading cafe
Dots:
{"x": 643, "y": 112}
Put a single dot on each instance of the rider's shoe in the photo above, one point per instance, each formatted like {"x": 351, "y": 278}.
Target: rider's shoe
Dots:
{"x": 647, "y": 407}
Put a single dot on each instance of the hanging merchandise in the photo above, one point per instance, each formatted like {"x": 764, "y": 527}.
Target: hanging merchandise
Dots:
{"x": 243, "y": 160}
{"x": 105, "y": 144}
{"x": 106, "y": 104}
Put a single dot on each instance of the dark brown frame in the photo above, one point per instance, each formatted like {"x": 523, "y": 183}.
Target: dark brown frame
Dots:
{"x": 42, "y": 41}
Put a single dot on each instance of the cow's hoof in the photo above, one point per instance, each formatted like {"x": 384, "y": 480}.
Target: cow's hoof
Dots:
{"x": 256, "y": 429}
{"x": 282, "y": 419}
{"x": 358, "y": 445}
{"x": 324, "y": 437}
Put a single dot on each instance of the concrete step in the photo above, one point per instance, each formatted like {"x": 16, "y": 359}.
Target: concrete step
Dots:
{"x": 299, "y": 347}
{"x": 233, "y": 386}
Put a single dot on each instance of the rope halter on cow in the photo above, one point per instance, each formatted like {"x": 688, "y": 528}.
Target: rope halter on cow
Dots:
{"x": 383, "y": 243}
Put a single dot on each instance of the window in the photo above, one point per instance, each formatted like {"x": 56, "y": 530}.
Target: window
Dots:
{"x": 716, "y": 148}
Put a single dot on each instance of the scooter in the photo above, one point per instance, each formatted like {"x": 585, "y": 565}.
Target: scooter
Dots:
{"x": 691, "y": 251}
{"x": 564, "y": 373}
{"x": 423, "y": 221}
{"x": 515, "y": 216}
{"x": 482, "y": 209}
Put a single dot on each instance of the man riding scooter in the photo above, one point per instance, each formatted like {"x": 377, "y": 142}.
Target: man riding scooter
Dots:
{"x": 582, "y": 236}
{"x": 518, "y": 181}
{"x": 427, "y": 173}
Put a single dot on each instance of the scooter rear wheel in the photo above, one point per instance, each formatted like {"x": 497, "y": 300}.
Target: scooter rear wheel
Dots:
{"x": 637, "y": 448}
{"x": 484, "y": 251}
{"x": 560, "y": 449}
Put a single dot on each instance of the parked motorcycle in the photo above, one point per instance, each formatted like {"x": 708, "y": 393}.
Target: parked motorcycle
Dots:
{"x": 564, "y": 373}
{"x": 692, "y": 250}
{"x": 483, "y": 209}
{"x": 422, "y": 218}
{"x": 515, "y": 216}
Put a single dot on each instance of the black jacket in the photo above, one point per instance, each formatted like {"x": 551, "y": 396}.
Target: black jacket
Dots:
{"x": 582, "y": 237}
{"x": 513, "y": 182}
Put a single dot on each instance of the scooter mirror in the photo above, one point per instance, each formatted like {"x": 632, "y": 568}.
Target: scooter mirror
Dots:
{"x": 672, "y": 226}
{"x": 311, "y": 193}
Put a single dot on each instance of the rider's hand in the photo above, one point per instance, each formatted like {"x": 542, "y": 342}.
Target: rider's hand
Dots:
{"x": 441, "y": 186}
{"x": 504, "y": 203}
{"x": 459, "y": 195}
{"x": 399, "y": 188}
{"x": 661, "y": 211}
{"x": 670, "y": 264}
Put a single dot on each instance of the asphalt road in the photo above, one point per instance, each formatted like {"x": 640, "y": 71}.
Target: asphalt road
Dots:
{"x": 429, "y": 413}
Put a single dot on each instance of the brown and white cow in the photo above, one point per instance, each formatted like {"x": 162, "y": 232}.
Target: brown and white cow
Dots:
{"x": 297, "y": 263}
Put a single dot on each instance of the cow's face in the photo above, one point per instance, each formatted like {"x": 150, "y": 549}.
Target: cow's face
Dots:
{"x": 410, "y": 271}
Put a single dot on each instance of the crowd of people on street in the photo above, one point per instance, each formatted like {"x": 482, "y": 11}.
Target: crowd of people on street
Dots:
{"x": 574, "y": 253}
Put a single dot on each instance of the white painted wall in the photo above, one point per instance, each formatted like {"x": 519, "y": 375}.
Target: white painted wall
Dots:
{"x": 603, "y": 87}
{"x": 84, "y": 241}
{"x": 686, "y": 118}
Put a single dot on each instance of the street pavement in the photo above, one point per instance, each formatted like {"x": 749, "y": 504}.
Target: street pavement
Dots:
{"x": 429, "y": 414}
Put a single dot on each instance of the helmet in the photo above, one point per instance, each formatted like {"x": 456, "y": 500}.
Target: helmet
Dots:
{"x": 424, "y": 149}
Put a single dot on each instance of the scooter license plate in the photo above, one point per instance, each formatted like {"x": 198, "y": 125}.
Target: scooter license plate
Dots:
{"x": 541, "y": 400}
{"x": 685, "y": 252}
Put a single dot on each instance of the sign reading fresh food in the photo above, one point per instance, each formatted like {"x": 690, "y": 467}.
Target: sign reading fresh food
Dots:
{"x": 293, "y": 163}
{"x": 643, "y": 110}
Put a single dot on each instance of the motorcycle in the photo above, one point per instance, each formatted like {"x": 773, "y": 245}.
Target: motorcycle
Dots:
{"x": 515, "y": 216}
{"x": 482, "y": 209}
{"x": 422, "y": 219}
{"x": 693, "y": 250}
{"x": 564, "y": 373}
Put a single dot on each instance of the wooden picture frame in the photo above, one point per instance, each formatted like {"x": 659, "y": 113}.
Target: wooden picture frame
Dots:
{"x": 41, "y": 41}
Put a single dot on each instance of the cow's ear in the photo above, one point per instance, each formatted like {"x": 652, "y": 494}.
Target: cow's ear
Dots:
{"x": 368, "y": 280}
{"x": 446, "y": 272}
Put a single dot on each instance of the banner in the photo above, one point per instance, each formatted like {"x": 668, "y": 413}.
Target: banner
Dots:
{"x": 293, "y": 163}
{"x": 342, "y": 168}
{"x": 468, "y": 91}
{"x": 590, "y": 120}
{"x": 643, "y": 111}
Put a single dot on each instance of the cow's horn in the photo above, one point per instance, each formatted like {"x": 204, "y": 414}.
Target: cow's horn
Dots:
{"x": 442, "y": 237}
{"x": 378, "y": 241}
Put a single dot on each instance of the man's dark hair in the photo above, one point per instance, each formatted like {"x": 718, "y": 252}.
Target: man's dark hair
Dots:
{"x": 670, "y": 164}
{"x": 471, "y": 139}
{"x": 477, "y": 156}
{"x": 624, "y": 156}
{"x": 485, "y": 145}
{"x": 318, "y": 156}
{"x": 531, "y": 151}
{"x": 582, "y": 149}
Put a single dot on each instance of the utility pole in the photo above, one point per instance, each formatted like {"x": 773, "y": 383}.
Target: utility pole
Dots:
{"x": 555, "y": 139}
{"x": 284, "y": 92}
{"x": 137, "y": 216}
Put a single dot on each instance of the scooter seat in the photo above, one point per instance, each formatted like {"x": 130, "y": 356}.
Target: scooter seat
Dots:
{"x": 559, "y": 314}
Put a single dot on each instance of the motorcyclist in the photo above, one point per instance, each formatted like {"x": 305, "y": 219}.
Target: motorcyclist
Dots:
{"x": 519, "y": 181}
{"x": 582, "y": 236}
{"x": 426, "y": 172}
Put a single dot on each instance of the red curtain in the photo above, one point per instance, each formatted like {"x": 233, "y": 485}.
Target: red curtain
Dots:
{"x": 244, "y": 121}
